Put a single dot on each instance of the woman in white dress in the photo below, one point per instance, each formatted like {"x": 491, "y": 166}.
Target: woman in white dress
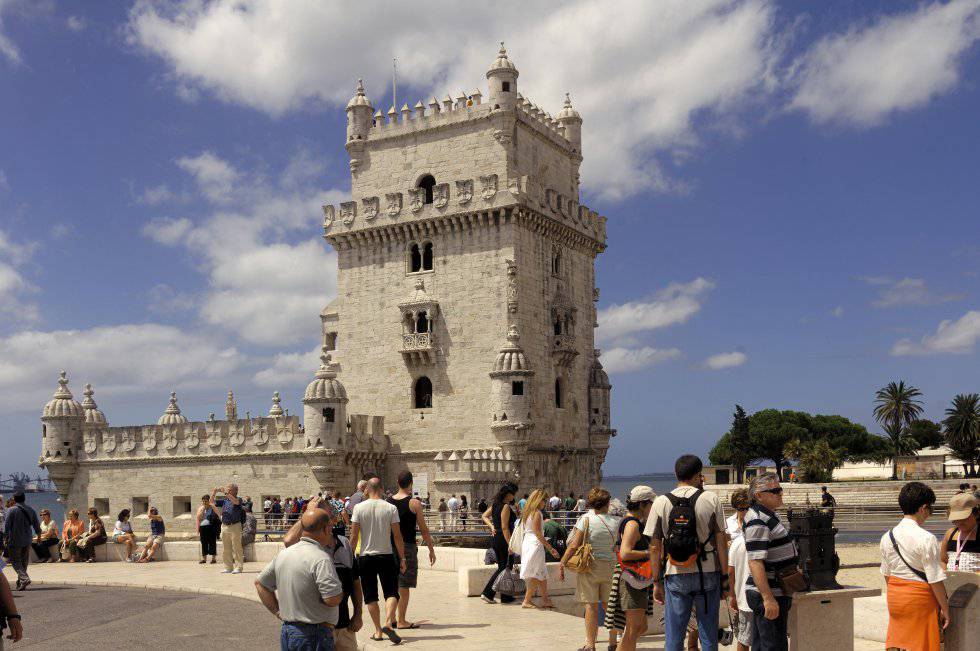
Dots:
{"x": 534, "y": 569}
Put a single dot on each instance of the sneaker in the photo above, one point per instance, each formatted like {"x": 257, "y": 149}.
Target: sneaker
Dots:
{"x": 237, "y": 570}
{"x": 226, "y": 571}
{"x": 23, "y": 586}
{"x": 488, "y": 599}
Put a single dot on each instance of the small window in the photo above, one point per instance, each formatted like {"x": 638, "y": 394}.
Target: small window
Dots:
{"x": 505, "y": 86}
{"x": 415, "y": 259}
{"x": 422, "y": 324}
{"x": 558, "y": 393}
{"x": 423, "y": 393}
{"x": 556, "y": 261}
{"x": 427, "y": 182}
{"x": 557, "y": 326}
{"x": 44, "y": 431}
{"x": 328, "y": 414}
{"x": 331, "y": 341}
{"x": 517, "y": 388}
{"x": 182, "y": 505}
{"x": 101, "y": 504}
{"x": 427, "y": 257}
{"x": 141, "y": 505}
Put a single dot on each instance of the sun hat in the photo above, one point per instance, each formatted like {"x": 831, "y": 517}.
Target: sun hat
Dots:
{"x": 961, "y": 506}
{"x": 642, "y": 494}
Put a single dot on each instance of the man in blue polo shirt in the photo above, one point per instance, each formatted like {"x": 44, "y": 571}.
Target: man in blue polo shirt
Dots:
{"x": 232, "y": 519}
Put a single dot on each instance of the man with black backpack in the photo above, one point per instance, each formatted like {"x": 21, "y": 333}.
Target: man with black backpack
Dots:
{"x": 688, "y": 549}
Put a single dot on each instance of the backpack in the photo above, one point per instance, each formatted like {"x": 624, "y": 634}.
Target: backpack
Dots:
{"x": 681, "y": 544}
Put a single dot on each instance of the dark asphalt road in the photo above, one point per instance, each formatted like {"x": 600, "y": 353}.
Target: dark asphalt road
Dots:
{"x": 80, "y": 618}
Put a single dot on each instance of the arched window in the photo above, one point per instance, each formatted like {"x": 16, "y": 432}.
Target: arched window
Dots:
{"x": 427, "y": 257}
{"x": 423, "y": 393}
{"x": 558, "y": 393}
{"x": 557, "y": 326}
{"x": 422, "y": 324}
{"x": 427, "y": 182}
{"x": 415, "y": 259}
{"x": 556, "y": 261}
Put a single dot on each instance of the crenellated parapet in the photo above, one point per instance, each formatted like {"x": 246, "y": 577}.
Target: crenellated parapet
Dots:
{"x": 475, "y": 465}
{"x": 459, "y": 206}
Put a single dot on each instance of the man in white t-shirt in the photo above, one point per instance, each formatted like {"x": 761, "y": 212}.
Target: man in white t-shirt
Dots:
{"x": 580, "y": 505}
{"x": 738, "y": 572}
{"x": 554, "y": 503}
{"x": 374, "y": 523}
{"x": 453, "y": 505}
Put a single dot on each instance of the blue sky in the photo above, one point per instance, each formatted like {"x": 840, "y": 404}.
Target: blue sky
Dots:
{"x": 791, "y": 191}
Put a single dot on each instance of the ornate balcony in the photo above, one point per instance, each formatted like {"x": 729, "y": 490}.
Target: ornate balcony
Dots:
{"x": 563, "y": 349}
{"x": 418, "y": 348}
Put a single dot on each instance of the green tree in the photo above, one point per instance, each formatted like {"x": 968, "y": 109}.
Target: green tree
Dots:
{"x": 927, "y": 434}
{"x": 739, "y": 443}
{"x": 962, "y": 425}
{"x": 770, "y": 430}
{"x": 815, "y": 459}
{"x": 897, "y": 406}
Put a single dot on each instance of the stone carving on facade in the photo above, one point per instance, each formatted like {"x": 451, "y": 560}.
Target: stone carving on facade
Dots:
{"x": 236, "y": 437}
{"x": 348, "y": 211}
{"x": 393, "y": 203}
{"x": 488, "y": 186}
{"x": 329, "y": 214}
{"x": 109, "y": 441}
{"x": 170, "y": 438}
{"x": 417, "y": 196}
{"x": 501, "y": 136}
{"x": 260, "y": 435}
{"x": 511, "y": 286}
{"x": 464, "y": 191}
{"x": 283, "y": 433}
{"x": 91, "y": 443}
{"x": 371, "y": 207}
{"x": 128, "y": 441}
{"x": 440, "y": 195}
{"x": 149, "y": 439}
{"x": 193, "y": 439}
{"x": 214, "y": 435}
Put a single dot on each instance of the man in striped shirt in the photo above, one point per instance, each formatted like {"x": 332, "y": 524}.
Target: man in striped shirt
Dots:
{"x": 768, "y": 548}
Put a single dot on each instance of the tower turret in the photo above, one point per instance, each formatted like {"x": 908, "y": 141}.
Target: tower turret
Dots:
{"x": 61, "y": 432}
{"x": 599, "y": 389}
{"x": 571, "y": 122}
{"x": 502, "y": 78}
{"x": 93, "y": 415}
{"x": 511, "y": 388}
{"x": 325, "y": 406}
{"x": 231, "y": 408}
{"x": 172, "y": 415}
{"x": 359, "y": 112}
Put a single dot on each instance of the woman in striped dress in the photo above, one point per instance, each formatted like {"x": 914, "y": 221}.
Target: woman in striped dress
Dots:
{"x": 615, "y": 615}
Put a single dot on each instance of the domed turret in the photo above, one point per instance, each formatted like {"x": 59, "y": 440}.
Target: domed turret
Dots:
{"x": 62, "y": 404}
{"x": 325, "y": 406}
{"x": 93, "y": 415}
{"x": 511, "y": 385}
{"x": 276, "y": 409}
{"x": 599, "y": 389}
{"x": 502, "y": 77}
{"x": 61, "y": 426}
{"x": 172, "y": 415}
{"x": 571, "y": 122}
{"x": 359, "y": 112}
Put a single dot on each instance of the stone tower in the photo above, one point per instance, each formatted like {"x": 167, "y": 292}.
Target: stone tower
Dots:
{"x": 464, "y": 229}
{"x": 61, "y": 436}
{"x": 325, "y": 407}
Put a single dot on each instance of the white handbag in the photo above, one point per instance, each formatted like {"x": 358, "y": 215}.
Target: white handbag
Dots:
{"x": 517, "y": 538}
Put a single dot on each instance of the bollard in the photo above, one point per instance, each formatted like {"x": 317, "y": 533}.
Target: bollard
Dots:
{"x": 964, "y": 618}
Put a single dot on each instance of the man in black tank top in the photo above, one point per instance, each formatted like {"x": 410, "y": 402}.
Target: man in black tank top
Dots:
{"x": 410, "y": 518}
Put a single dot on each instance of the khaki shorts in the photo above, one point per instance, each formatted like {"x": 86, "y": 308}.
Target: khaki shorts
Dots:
{"x": 594, "y": 586}
{"x": 345, "y": 640}
{"x": 632, "y": 599}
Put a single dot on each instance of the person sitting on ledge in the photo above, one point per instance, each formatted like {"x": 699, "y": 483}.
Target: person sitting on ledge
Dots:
{"x": 47, "y": 539}
{"x": 122, "y": 534}
{"x": 71, "y": 531}
{"x": 248, "y": 528}
{"x": 92, "y": 538}
{"x": 155, "y": 540}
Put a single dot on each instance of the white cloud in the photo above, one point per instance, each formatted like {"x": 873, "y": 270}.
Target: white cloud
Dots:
{"x": 121, "y": 359}
{"x": 951, "y": 337}
{"x": 168, "y": 231}
{"x": 627, "y": 360}
{"x": 268, "y": 275}
{"x": 837, "y": 312}
{"x": 289, "y": 369}
{"x": 896, "y": 63}
{"x": 674, "y": 304}
{"x": 156, "y": 195}
{"x": 76, "y": 23}
{"x": 908, "y": 291}
{"x": 215, "y": 176}
{"x": 62, "y": 230}
{"x": 655, "y": 66}
{"x": 7, "y": 47}
{"x": 164, "y": 299}
{"x": 4, "y": 184}
{"x": 14, "y": 287}
{"x": 725, "y": 360}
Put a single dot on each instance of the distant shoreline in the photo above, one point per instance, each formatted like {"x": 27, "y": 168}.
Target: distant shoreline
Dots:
{"x": 646, "y": 474}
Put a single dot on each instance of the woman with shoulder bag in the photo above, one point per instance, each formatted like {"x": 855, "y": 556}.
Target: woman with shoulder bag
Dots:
{"x": 534, "y": 568}
{"x": 208, "y": 530}
{"x": 631, "y": 598}
{"x": 590, "y": 555}
{"x": 500, "y": 519}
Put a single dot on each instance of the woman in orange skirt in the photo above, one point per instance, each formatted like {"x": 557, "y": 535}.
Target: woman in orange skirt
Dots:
{"x": 910, "y": 562}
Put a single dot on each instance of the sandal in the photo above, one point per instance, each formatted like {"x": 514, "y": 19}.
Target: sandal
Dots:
{"x": 407, "y": 626}
{"x": 377, "y": 639}
{"x": 392, "y": 635}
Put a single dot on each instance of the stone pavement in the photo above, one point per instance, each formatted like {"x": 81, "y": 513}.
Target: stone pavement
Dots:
{"x": 456, "y": 622}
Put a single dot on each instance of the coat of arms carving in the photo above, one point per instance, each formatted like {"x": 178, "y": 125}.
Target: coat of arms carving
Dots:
{"x": 488, "y": 186}
{"x": 91, "y": 443}
{"x": 236, "y": 437}
{"x": 371, "y": 207}
{"x": 149, "y": 440}
{"x": 170, "y": 438}
{"x": 464, "y": 191}
{"x": 128, "y": 441}
{"x": 348, "y": 211}
{"x": 417, "y": 196}
{"x": 260, "y": 435}
{"x": 193, "y": 439}
{"x": 329, "y": 214}
{"x": 109, "y": 441}
{"x": 440, "y": 195}
{"x": 214, "y": 437}
{"x": 393, "y": 203}
{"x": 284, "y": 434}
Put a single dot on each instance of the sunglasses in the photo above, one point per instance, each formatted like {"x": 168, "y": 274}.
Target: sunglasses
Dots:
{"x": 775, "y": 491}
{"x": 742, "y": 509}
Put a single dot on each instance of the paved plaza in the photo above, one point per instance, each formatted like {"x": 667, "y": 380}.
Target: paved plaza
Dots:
{"x": 456, "y": 622}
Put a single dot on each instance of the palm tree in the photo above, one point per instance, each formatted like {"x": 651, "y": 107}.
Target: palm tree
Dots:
{"x": 896, "y": 407}
{"x": 962, "y": 428}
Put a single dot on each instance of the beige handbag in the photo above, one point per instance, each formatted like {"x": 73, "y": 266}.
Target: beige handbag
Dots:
{"x": 582, "y": 559}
